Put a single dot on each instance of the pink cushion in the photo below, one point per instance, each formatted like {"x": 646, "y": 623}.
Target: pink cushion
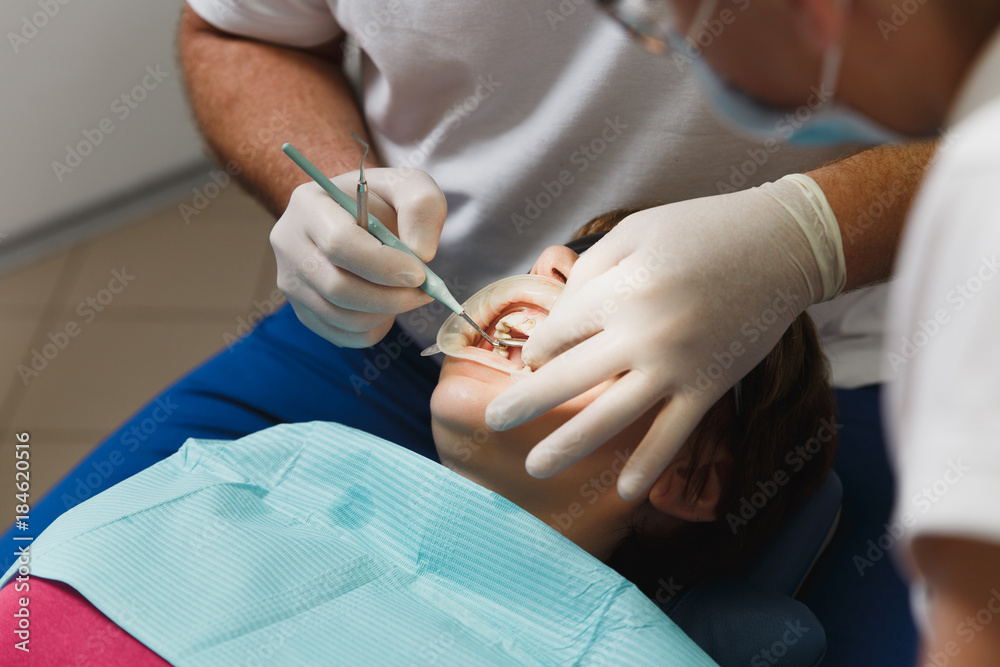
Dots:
{"x": 65, "y": 629}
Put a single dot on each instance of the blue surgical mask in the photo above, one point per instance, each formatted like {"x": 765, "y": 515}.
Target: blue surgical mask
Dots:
{"x": 820, "y": 121}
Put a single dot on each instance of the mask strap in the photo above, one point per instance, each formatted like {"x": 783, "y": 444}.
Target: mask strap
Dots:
{"x": 705, "y": 11}
{"x": 832, "y": 59}
{"x": 831, "y": 70}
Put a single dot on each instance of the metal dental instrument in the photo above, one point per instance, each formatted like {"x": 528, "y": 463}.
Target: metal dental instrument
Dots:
{"x": 433, "y": 284}
{"x": 362, "y": 188}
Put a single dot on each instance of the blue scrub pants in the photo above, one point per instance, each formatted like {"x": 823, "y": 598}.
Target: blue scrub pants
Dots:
{"x": 282, "y": 372}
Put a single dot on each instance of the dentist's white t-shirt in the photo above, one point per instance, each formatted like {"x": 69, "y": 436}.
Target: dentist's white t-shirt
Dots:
{"x": 534, "y": 117}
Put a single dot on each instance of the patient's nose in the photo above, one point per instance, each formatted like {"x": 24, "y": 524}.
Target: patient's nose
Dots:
{"x": 555, "y": 262}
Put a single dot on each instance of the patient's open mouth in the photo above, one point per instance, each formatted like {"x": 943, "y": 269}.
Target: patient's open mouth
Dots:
{"x": 509, "y": 309}
{"x": 516, "y": 321}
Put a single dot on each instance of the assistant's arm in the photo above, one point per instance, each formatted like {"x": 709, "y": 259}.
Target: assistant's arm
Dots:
{"x": 870, "y": 193}
{"x": 963, "y": 586}
{"x": 242, "y": 89}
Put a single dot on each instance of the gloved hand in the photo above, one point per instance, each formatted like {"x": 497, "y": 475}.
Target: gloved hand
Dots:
{"x": 677, "y": 302}
{"x": 342, "y": 282}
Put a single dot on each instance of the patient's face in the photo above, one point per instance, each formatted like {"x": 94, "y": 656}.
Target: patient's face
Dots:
{"x": 496, "y": 460}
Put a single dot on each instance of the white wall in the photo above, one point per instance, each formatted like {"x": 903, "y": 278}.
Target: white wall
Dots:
{"x": 61, "y": 77}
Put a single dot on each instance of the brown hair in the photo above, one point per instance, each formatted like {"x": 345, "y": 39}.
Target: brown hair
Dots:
{"x": 785, "y": 404}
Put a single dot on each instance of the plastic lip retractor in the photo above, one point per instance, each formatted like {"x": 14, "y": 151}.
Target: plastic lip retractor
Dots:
{"x": 509, "y": 296}
{"x": 432, "y": 285}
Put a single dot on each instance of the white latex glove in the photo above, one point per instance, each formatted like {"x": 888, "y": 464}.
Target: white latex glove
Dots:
{"x": 678, "y": 302}
{"x": 342, "y": 282}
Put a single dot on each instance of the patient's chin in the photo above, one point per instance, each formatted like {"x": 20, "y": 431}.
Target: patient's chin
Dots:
{"x": 459, "y": 402}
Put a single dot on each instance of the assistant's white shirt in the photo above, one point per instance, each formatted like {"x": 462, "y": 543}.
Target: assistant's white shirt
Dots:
{"x": 533, "y": 117}
{"x": 943, "y": 401}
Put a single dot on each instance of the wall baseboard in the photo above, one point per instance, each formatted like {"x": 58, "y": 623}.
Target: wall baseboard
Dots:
{"x": 51, "y": 236}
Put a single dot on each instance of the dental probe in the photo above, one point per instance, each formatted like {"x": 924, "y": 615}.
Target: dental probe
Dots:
{"x": 433, "y": 284}
{"x": 362, "y": 188}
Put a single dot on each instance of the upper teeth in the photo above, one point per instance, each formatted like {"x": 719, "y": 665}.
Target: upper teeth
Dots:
{"x": 519, "y": 321}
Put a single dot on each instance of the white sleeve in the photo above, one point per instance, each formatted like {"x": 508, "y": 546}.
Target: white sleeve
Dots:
{"x": 942, "y": 345}
{"x": 299, "y": 23}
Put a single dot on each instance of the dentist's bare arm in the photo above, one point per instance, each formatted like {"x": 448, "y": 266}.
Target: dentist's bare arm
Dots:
{"x": 244, "y": 92}
{"x": 963, "y": 581}
{"x": 249, "y": 98}
{"x": 870, "y": 193}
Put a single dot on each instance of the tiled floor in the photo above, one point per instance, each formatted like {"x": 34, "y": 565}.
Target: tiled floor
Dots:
{"x": 182, "y": 288}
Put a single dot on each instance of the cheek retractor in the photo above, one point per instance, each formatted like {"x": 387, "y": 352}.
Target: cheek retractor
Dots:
{"x": 523, "y": 299}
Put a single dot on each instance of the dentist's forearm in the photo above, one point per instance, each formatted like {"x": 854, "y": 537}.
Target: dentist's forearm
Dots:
{"x": 870, "y": 193}
{"x": 249, "y": 97}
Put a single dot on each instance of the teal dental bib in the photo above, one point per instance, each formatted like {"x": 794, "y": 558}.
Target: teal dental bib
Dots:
{"x": 317, "y": 544}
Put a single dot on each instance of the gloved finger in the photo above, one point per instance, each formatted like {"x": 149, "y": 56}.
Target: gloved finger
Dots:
{"x": 568, "y": 375}
{"x": 353, "y": 293}
{"x": 315, "y": 273}
{"x": 343, "y": 320}
{"x": 575, "y": 317}
{"x": 336, "y": 234}
{"x": 627, "y": 399}
{"x": 600, "y": 258}
{"x": 419, "y": 204}
{"x": 671, "y": 428}
{"x": 338, "y": 336}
